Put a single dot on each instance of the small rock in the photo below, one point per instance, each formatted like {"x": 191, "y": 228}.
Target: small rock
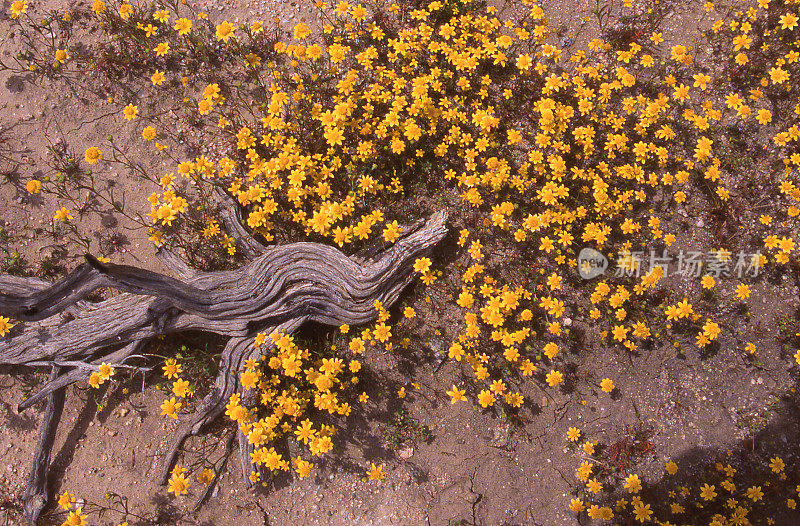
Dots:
{"x": 502, "y": 433}
{"x": 438, "y": 349}
{"x": 406, "y": 453}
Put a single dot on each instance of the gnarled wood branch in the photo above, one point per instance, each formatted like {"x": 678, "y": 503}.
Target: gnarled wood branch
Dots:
{"x": 279, "y": 290}
{"x": 230, "y": 214}
{"x": 34, "y": 498}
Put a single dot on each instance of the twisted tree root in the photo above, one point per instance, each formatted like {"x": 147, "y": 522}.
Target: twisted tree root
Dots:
{"x": 279, "y": 290}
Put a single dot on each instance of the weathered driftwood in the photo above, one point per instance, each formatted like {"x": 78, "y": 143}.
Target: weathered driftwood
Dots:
{"x": 34, "y": 498}
{"x": 279, "y": 290}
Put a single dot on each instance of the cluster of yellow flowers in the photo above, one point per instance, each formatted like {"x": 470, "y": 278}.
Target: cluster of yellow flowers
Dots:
{"x": 180, "y": 388}
{"x": 548, "y": 150}
{"x": 104, "y": 373}
{"x": 289, "y": 382}
{"x": 721, "y": 499}
{"x": 166, "y": 207}
{"x": 78, "y": 511}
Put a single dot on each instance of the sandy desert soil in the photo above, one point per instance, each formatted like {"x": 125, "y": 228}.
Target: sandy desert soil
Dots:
{"x": 466, "y": 466}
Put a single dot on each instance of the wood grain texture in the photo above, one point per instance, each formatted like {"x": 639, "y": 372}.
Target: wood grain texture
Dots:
{"x": 280, "y": 289}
